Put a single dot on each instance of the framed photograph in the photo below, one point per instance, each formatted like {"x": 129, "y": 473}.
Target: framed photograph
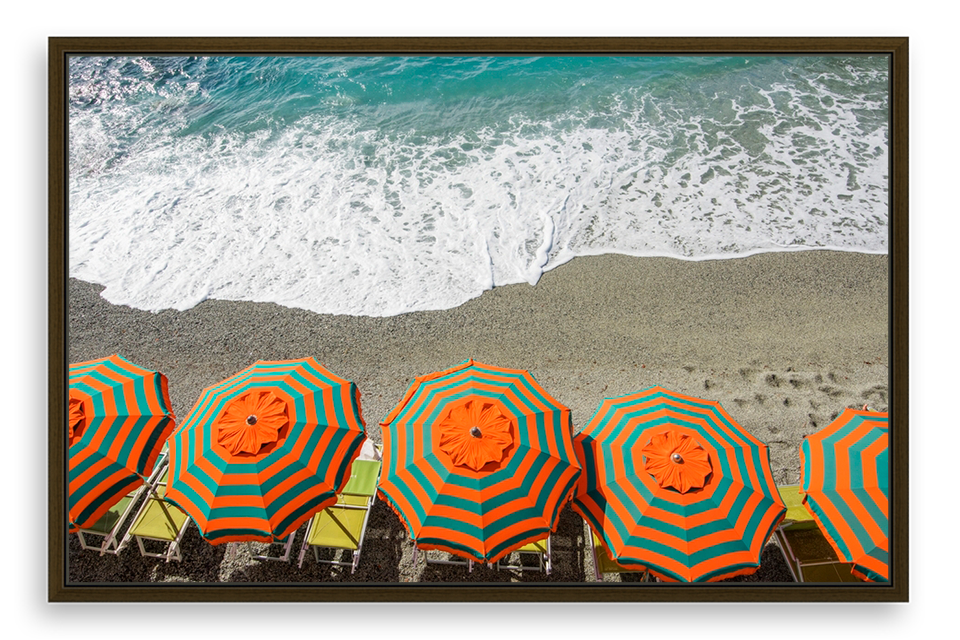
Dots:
{"x": 478, "y": 319}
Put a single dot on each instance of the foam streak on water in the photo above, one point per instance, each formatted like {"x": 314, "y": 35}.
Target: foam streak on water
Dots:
{"x": 377, "y": 186}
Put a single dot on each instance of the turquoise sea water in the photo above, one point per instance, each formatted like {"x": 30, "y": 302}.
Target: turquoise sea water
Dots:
{"x": 380, "y": 185}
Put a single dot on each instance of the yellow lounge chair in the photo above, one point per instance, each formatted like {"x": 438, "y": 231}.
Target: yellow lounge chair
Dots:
{"x": 343, "y": 525}
{"x": 540, "y": 549}
{"x": 159, "y": 521}
{"x": 448, "y": 559}
{"x": 807, "y": 552}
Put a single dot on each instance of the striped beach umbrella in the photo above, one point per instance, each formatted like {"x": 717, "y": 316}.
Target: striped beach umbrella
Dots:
{"x": 844, "y": 477}
{"x": 264, "y": 450}
{"x": 119, "y": 418}
{"x": 676, "y": 486}
{"x": 478, "y": 461}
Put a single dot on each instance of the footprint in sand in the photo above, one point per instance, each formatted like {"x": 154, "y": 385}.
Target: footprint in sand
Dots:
{"x": 833, "y": 392}
{"x": 876, "y": 394}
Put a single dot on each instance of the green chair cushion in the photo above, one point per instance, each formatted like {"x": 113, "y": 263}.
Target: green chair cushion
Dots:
{"x": 337, "y": 527}
{"x": 155, "y": 523}
{"x": 797, "y": 516}
{"x": 538, "y": 546}
{"x": 109, "y": 520}
{"x": 363, "y": 478}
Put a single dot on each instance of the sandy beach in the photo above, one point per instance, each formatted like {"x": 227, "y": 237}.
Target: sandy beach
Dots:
{"x": 784, "y": 341}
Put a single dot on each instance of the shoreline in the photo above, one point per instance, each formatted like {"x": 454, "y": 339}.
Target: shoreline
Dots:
{"x": 783, "y": 340}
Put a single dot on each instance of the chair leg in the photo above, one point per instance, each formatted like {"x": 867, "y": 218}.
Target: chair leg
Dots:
{"x": 547, "y": 558}
{"x": 303, "y": 547}
{"x": 781, "y": 539}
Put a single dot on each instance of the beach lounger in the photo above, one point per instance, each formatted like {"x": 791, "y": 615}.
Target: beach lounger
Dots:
{"x": 342, "y": 526}
{"x": 539, "y": 549}
{"x": 109, "y": 525}
{"x": 807, "y": 552}
{"x": 604, "y": 563}
{"x": 159, "y": 521}
{"x": 449, "y": 559}
{"x": 284, "y": 549}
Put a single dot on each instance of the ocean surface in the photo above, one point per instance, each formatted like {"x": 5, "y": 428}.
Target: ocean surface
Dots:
{"x": 382, "y": 185}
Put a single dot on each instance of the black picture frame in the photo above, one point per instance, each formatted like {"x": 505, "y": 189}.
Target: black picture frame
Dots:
{"x": 901, "y": 46}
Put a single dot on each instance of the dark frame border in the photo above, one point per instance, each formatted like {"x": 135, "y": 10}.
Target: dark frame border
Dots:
{"x": 58, "y": 590}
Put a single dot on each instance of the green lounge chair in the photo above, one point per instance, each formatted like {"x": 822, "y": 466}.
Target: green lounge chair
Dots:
{"x": 343, "y": 525}
{"x": 807, "y": 552}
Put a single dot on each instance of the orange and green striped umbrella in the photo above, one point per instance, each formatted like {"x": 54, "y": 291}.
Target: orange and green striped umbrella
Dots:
{"x": 478, "y": 461}
{"x": 844, "y": 478}
{"x": 119, "y": 418}
{"x": 264, "y": 450}
{"x": 676, "y": 486}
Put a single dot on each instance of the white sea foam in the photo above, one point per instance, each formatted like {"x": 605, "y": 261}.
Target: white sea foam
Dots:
{"x": 333, "y": 217}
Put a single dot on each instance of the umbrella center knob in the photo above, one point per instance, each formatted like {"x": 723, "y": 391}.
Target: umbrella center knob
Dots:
{"x": 474, "y": 433}
{"x": 251, "y": 420}
{"x": 677, "y": 461}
